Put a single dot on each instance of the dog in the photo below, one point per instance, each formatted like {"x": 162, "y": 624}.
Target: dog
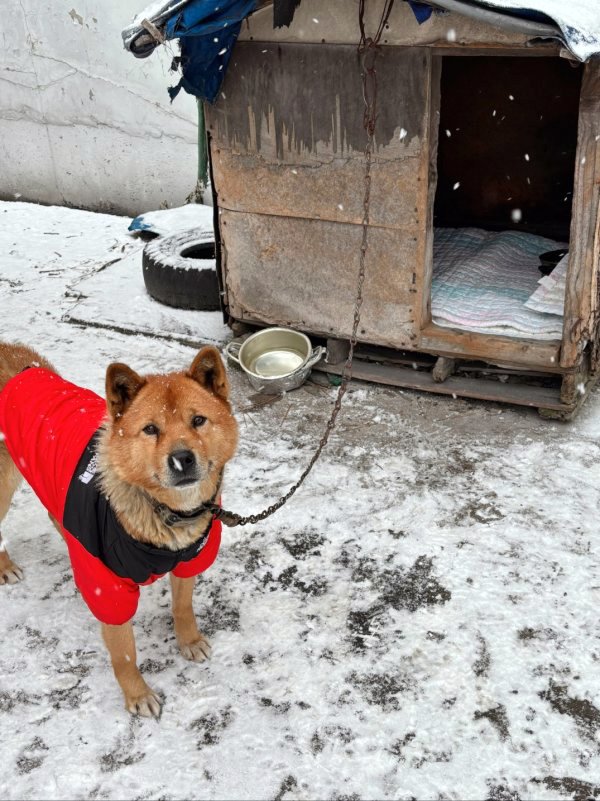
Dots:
{"x": 131, "y": 482}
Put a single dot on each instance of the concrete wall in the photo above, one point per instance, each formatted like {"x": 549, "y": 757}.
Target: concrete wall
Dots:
{"x": 83, "y": 122}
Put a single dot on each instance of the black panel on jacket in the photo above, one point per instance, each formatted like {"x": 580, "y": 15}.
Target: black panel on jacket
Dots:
{"x": 89, "y": 517}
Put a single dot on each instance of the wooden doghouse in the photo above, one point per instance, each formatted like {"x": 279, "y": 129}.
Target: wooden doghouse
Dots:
{"x": 287, "y": 153}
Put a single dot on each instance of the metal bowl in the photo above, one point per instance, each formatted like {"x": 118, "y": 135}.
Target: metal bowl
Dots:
{"x": 275, "y": 359}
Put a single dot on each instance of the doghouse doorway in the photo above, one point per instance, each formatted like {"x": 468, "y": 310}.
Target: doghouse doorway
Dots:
{"x": 505, "y": 169}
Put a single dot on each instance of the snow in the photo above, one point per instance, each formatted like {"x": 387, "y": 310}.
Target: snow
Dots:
{"x": 420, "y": 620}
{"x": 177, "y": 260}
{"x": 95, "y": 305}
{"x": 155, "y": 11}
{"x": 578, "y": 21}
{"x": 165, "y": 222}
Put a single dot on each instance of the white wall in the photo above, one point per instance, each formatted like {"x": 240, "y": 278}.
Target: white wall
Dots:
{"x": 83, "y": 122}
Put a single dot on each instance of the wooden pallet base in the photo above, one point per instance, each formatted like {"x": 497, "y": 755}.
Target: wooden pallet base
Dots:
{"x": 538, "y": 397}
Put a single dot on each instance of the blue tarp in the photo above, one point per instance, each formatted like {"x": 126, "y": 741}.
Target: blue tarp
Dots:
{"x": 207, "y": 31}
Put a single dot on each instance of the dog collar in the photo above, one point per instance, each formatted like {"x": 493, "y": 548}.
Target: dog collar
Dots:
{"x": 173, "y": 518}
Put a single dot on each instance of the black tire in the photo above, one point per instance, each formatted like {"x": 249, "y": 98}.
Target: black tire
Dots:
{"x": 180, "y": 270}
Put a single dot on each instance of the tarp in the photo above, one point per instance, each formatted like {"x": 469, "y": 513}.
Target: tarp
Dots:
{"x": 208, "y": 29}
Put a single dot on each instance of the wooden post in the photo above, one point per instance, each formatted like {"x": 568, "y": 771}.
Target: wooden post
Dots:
{"x": 337, "y": 351}
{"x": 443, "y": 369}
{"x": 580, "y": 298}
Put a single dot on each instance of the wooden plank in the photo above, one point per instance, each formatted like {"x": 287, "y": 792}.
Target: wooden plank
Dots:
{"x": 580, "y": 297}
{"x": 480, "y": 389}
{"x": 537, "y": 50}
{"x": 595, "y": 346}
{"x": 303, "y": 273}
{"x": 337, "y": 21}
{"x": 493, "y": 349}
{"x": 286, "y": 142}
{"x": 303, "y": 104}
{"x": 428, "y": 184}
{"x": 330, "y": 191}
{"x": 427, "y": 360}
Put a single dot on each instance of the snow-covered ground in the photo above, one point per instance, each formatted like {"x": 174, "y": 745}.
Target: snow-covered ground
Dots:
{"x": 420, "y": 621}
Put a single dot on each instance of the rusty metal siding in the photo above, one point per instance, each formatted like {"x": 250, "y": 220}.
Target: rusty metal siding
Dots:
{"x": 289, "y": 271}
{"x": 287, "y": 149}
{"x": 332, "y": 191}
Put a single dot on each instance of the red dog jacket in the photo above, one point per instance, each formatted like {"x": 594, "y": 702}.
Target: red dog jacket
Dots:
{"x": 50, "y": 428}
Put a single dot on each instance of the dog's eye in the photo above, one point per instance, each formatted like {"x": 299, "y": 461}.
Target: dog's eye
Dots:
{"x": 198, "y": 420}
{"x": 151, "y": 430}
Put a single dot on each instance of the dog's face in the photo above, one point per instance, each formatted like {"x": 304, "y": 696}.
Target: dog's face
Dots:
{"x": 171, "y": 434}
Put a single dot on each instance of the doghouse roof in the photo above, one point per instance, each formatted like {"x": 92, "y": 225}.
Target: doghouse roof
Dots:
{"x": 208, "y": 29}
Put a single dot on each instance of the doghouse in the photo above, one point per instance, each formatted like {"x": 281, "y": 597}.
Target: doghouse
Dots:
{"x": 485, "y": 137}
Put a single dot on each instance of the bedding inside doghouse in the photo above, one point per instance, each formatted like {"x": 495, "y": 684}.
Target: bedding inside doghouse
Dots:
{"x": 505, "y": 166}
{"x": 483, "y": 281}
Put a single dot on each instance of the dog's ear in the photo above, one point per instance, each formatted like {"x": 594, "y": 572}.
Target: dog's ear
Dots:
{"x": 209, "y": 371}
{"x": 122, "y": 385}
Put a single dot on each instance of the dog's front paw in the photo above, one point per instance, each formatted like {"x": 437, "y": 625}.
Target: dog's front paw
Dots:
{"x": 10, "y": 573}
{"x": 197, "y": 651}
{"x": 147, "y": 704}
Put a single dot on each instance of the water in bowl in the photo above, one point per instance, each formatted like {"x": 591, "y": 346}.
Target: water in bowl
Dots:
{"x": 276, "y": 363}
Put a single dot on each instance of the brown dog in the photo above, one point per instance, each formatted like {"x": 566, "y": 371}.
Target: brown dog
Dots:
{"x": 131, "y": 483}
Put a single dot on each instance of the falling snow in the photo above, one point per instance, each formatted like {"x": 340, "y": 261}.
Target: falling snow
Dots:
{"x": 419, "y": 621}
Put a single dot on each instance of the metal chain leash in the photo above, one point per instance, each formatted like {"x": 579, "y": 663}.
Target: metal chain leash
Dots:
{"x": 368, "y": 49}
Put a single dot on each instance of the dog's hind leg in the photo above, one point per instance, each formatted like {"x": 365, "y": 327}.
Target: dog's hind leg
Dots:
{"x": 139, "y": 698}
{"x": 10, "y": 573}
{"x": 192, "y": 644}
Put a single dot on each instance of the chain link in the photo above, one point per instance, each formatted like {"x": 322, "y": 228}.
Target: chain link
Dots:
{"x": 368, "y": 50}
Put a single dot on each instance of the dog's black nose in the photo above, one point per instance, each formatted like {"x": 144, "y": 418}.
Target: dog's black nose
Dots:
{"x": 182, "y": 463}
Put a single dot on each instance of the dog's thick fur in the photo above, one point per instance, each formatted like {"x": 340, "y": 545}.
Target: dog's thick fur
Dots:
{"x": 149, "y": 419}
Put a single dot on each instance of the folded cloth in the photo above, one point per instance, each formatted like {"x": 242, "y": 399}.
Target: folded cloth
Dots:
{"x": 482, "y": 280}
{"x": 549, "y": 297}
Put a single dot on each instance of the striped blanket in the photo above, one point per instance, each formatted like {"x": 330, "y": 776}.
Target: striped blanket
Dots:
{"x": 483, "y": 279}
